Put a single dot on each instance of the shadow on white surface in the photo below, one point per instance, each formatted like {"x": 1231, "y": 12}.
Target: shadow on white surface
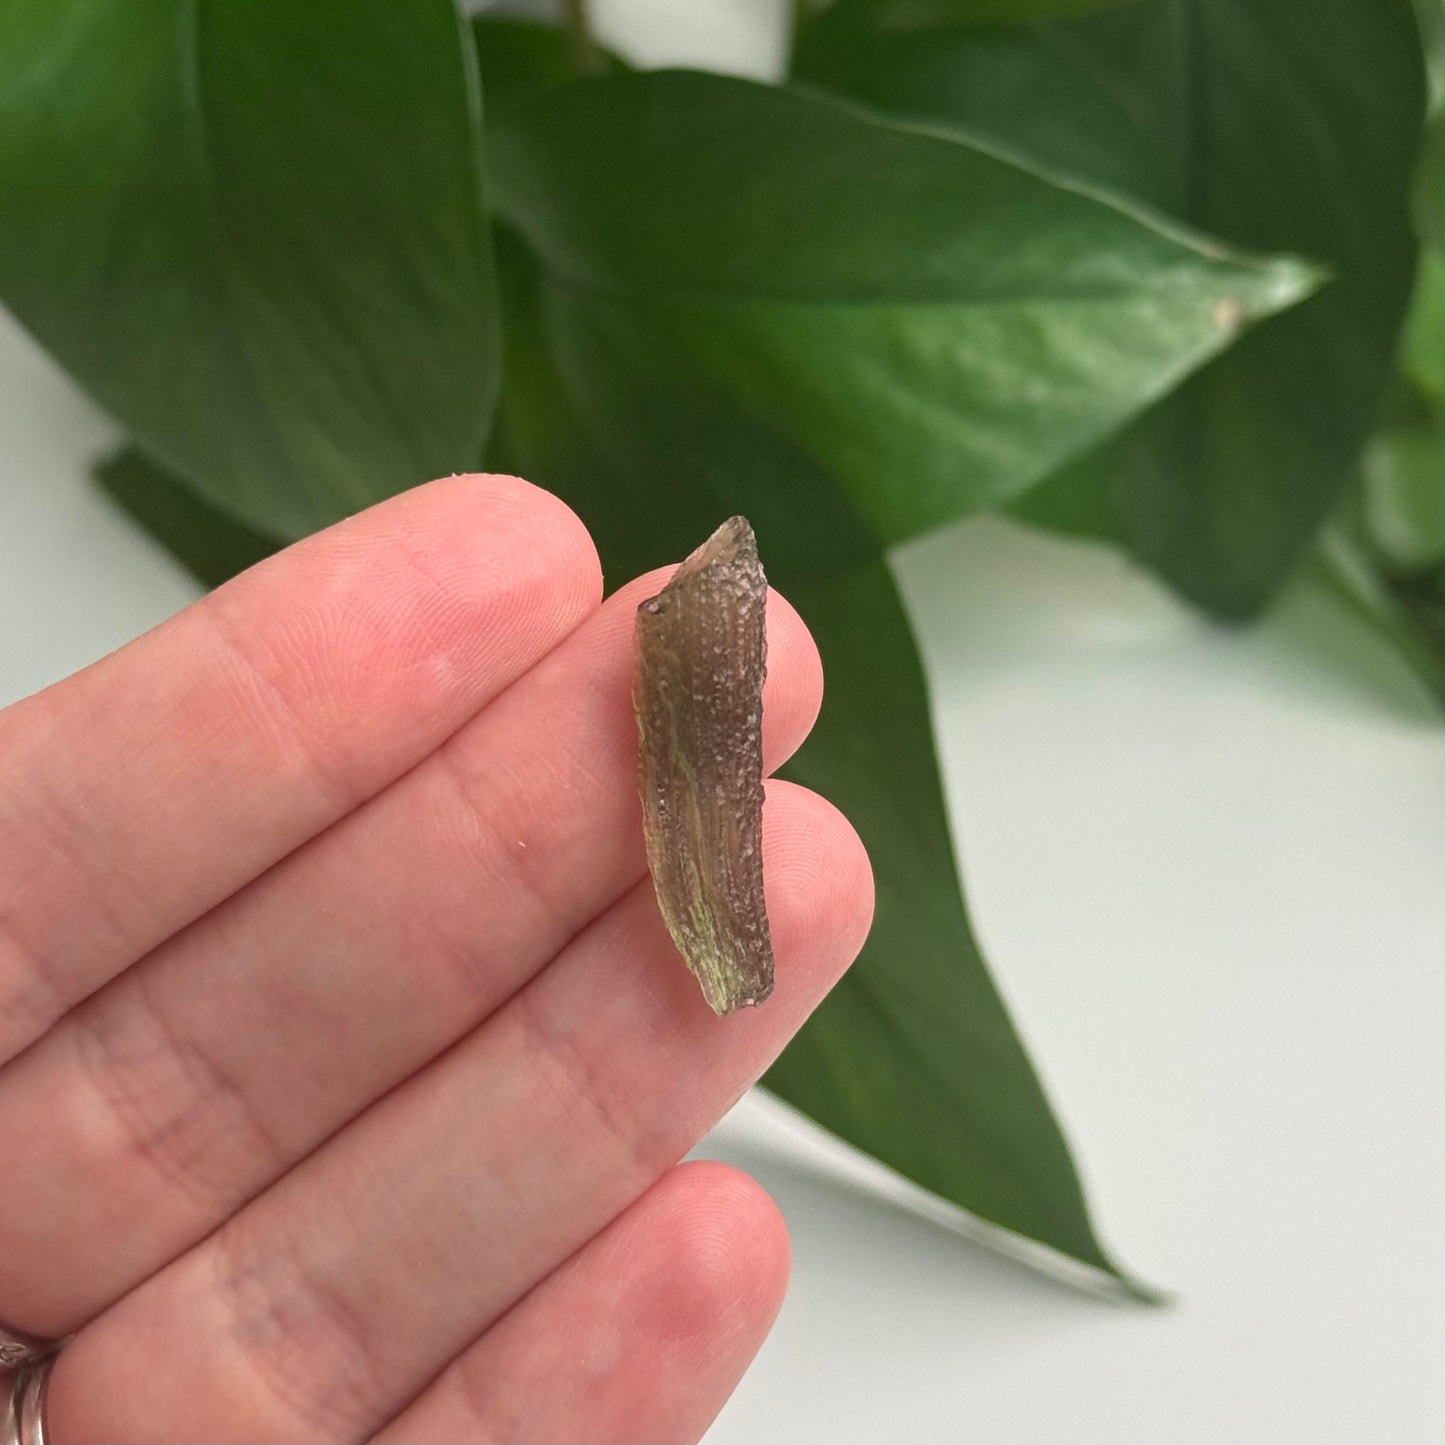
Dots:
{"x": 766, "y": 1137}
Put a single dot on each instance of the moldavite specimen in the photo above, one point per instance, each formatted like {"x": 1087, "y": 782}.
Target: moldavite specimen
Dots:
{"x": 701, "y": 658}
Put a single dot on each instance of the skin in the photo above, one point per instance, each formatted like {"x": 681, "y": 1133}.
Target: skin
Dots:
{"x": 345, "y": 1063}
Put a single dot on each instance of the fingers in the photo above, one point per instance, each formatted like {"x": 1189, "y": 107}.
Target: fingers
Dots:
{"x": 157, "y": 1108}
{"x": 146, "y": 788}
{"x": 641, "y": 1335}
{"x": 329, "y": 1302}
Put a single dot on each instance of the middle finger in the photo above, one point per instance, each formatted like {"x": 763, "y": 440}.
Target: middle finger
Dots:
{"x": 154, "y": 1111}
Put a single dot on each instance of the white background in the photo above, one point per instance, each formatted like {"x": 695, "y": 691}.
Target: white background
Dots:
{"x": 1208, "y": 870}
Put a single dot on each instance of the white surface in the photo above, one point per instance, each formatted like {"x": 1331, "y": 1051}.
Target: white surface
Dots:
{"x": 1208, "y": 871}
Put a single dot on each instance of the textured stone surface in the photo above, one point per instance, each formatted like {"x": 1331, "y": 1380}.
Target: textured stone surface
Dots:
{"x": 701, "y": 648}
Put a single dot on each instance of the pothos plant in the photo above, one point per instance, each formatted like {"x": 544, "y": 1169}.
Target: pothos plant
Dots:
{"x": 1166, "y": 273}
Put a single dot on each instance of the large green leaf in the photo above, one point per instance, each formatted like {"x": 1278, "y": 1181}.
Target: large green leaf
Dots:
{"x": 1403, "y": 489}
{"x": 1095, "y": 99}
{"x": 1423, "y": 353}
{"x": 1430, "y": 16}
{"x": 910, "y": 14}
{"x": 520, "y": 58}
{"x": 1275, "y": 124}
{"x": 1385, "y": 552}
{"x": 913, "y": 1058}
{"x": 930, "y": 324}
{"x": 1423, "y": 348}
{"x": 211, "y": 546}
{"x": 254, "y": 232}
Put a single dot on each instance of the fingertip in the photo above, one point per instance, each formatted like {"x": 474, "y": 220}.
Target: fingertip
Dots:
{"x": 793, "y": 690}
{"x": 466, "y": 552}
{"x": 734, "y": 1204}
{"x": 723, "y": 1269}
{"x": 545, "y": 536}
{"x": 820, "y": 888}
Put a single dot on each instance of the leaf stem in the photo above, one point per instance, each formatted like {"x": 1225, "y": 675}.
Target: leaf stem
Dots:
{"x": 585, "y": 55}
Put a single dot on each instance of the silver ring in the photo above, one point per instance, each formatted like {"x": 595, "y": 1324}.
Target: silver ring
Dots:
{"x": 18, "y": 1348}
{"x": 23, "y": 1422}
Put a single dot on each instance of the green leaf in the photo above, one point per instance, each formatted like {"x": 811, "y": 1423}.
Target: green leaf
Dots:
{"x": 1422, "y": 352}
{"x": 914, "y": 14}
{"x": 254, "y": 232}
{"x": 1402, "y": 505}
{"x": 519, "y": 59}
{"x": 1384, "y": 552}
{"x": 1430, "y": 16}
{"x": 644, "y": 406}
{"x": 1277, "y": 125}
{"x": 923, "y": 320}
{"x": 913, "y": 1058}
{"x": 208, "y": 544}
{"x": 1097, "y": 99}
{"x": 1423, "y": 344}
{"x": 1427, "y": 200}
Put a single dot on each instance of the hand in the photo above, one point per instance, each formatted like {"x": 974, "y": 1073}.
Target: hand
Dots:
{"x": 344, "y": 1060}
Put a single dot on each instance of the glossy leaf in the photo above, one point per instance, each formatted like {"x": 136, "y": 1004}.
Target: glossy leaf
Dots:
{"x": 1270, "y": 123}
{"x": 1427, "y": 202}
{"x": 928, "y": 323}
{"x": 1423, "y": 349}
{"x": 211, "y": 546}
{"x": 913, "y": 14}
{"x": 913, "y": 1058}
{"x": 519, "y": 59}
{"x": 1430, "y": 17}
{"x": 1402, "y": 504}
{"x": 1385, "y": 550}
{"x": 1423, "y": 342}
{"x": 254, "y": 232}
{"x": 1096, "y": 99}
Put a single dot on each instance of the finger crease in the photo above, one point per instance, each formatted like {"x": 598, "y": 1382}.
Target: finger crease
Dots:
{"x": 313, "y": 1351}
{"x": 35, "y": 996}
{"x": 576, "y": 1076}
{"x": 177, "y": 1109}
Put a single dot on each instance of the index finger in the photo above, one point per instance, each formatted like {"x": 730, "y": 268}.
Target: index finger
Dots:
{"x": 143, "y": 790}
